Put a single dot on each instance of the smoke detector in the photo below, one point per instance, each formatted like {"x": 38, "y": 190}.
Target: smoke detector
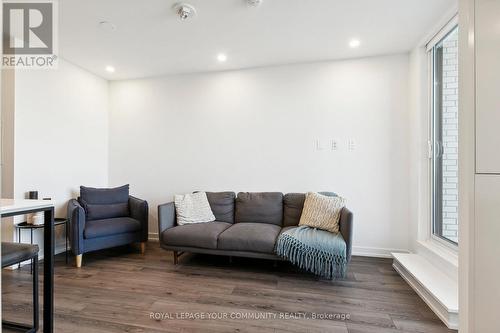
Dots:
{"x": 254, "y": 3}
{"x": 184, "y": 10}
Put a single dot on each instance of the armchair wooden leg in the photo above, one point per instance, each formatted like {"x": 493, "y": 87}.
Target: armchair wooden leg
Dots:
{"x": 176, "y": 258}
{"x": 143, "y": 248}
{"x": 79, "y": 260}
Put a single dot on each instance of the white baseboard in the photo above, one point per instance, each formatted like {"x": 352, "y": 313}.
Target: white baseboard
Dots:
{"x": 377, "y": 252}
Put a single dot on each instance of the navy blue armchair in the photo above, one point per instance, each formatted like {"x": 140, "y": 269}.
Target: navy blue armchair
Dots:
{"x": 103, "y": 218}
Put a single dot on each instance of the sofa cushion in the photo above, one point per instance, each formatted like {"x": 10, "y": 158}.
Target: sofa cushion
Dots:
{"x": 201, "y": 235}
{"x": 252, "y": 237}
{"x": 103, "y": 196}
{"x": 222, "y": 204}
{"x": 292, "y": 208}
{"x": 108, "y": 227}
{"x": 259, "y": 207}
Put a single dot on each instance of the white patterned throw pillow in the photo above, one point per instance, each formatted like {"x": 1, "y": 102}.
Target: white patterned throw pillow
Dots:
{"x": 193, "y": 208}
{"x": 322, "y": 212}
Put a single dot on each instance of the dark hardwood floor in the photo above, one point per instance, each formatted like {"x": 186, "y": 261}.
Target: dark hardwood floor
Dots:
{"x": 119, "y": 290}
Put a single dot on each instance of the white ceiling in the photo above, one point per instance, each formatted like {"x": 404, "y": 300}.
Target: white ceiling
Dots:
{"x": 150, "y": 40}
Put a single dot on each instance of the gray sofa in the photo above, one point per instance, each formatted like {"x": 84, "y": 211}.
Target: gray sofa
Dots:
{"x": 246, "y": 225}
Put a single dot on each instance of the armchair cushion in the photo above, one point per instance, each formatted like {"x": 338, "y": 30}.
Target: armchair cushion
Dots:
{"x": 113, "y": 226}
{"x": 104, "y": 203}
{"x": 103, "y": 196}
{"x": 100, "y": 212}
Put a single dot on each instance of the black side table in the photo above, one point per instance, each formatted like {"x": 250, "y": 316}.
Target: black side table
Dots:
{"x": 31, "y": 227}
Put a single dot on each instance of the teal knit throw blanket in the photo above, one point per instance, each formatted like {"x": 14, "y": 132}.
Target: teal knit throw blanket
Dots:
{"x": 317, "y": 251}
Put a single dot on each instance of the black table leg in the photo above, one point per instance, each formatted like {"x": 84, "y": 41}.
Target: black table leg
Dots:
{"x": 48, "y": 271}
{"x": 35, "y": 295}
{"x": 66, "y": 246}
{"x": 19, "y": 241}
{"x": 31, "y": 242}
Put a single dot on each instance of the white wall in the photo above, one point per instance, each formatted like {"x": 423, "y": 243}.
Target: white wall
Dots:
{"x": 61, "y": 133}
{"x": 254, "y": 130}
{"x": 419, "y": 136}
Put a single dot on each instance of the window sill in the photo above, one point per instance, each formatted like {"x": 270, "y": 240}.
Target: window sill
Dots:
{"x": 440, "y": 255}
{"x": 438, "y": 290}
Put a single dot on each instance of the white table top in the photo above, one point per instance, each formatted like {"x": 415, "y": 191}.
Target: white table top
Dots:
{"x": 21, "y": 205}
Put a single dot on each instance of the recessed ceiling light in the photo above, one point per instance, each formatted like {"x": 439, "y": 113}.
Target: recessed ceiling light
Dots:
{"x": 354, "y": 43}
{"x": 110, "y": 69}
{"x": 221, "y": 57}
{"x": 184, "y": 10}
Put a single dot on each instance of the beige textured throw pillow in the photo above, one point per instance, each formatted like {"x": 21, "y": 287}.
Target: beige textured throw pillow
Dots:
{"x": 322, "y": 212}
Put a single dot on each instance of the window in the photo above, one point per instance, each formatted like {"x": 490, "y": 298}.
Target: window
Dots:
{"x": 443, "y": 142}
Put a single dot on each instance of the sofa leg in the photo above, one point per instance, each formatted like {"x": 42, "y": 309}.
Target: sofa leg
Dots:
{"x": 230, "y": 259}
{"x": 176, "y": 258}
{"x": 79, "y": 260}
{"x": 275, "y": 263}
{"x": 143, "y": 248}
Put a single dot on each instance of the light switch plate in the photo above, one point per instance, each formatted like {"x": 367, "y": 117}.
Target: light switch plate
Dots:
{"x": 334, "y": 144}
{"x": 351, "y": 144}
{"x": 318, "y": 144}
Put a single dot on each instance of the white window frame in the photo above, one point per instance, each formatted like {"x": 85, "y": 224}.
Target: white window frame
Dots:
{"x": 433, "y": 239}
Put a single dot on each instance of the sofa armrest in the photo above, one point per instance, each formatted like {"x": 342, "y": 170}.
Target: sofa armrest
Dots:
{"x": 346, "y": 230}
{"x": 166, "y": 217}
{"x": 139, "y": 210}
{"x": 76, "y": 221}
